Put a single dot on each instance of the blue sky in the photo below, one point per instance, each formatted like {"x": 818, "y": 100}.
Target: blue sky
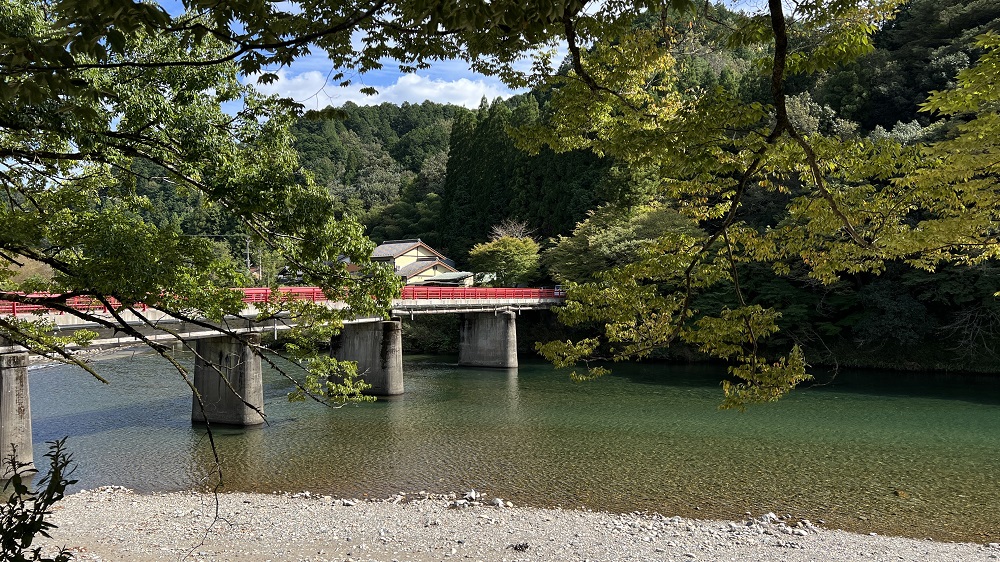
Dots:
{"x": 305, "y": 81}
{"x": 445, "y": 82}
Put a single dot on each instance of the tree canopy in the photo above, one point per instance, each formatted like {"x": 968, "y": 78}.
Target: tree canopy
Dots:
{"x": 848, "y": 204}
{"x": 89, "y": 114}
{"x": 96, "y": 93}
{"x": 509, "y": 260}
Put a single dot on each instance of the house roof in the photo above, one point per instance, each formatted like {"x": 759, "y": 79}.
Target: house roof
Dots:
{"x": 453, "y": 276}
{"x": 396, "y": 248}
{"x": 419, "y": 267}
{"x": 450, "y": 278}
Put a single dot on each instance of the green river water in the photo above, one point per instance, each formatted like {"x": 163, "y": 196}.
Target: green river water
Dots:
{"x": 892, "y": 453}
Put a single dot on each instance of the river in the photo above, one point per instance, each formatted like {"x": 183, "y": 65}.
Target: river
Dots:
{"x": 906, "y": 454}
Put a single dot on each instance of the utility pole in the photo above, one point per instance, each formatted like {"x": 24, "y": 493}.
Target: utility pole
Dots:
{"x": 244, "y": 236}
{"x": 247, "y": 236}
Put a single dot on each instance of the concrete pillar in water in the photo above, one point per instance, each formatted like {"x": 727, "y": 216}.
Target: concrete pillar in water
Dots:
{"x": 488, "y": 339}
{"x": 377, "y": 347}
{"x": 15, "y": 410}
{"x": 240, "y": 366}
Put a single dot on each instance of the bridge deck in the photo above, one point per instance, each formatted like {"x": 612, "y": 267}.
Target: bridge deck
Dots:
{"x": 414, "y": 300}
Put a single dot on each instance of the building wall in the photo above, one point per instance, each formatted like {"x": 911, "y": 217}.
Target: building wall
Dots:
{"x": 427, "y": 274}
{"x": 413, "y": 255}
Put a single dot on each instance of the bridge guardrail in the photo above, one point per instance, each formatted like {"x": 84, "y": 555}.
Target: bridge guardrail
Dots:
{"x": 262, "y": 294}
{"x": 429, "y": 292}
{"x": 83, "y": 303}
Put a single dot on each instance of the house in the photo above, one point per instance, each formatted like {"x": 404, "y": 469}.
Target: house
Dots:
{"x": 418, "y": 263}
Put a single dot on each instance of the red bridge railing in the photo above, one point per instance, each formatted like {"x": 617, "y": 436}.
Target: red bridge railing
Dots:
{"x": 425, "y": 292}
{"x": 263, "y": 294}
{"x": 315, "y": 294}
{"x": 86, "y": 304}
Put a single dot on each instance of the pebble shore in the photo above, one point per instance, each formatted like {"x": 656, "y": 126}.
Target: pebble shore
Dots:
{"x": 115, "y": 524}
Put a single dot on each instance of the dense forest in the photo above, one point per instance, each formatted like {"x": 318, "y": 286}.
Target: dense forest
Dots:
{"x": 446, "y": 174}
{"x": 449, "y": 176}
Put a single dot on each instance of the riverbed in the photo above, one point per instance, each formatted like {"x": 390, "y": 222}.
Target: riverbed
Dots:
{"x": 119, "y": 526}
{"x": 899, "y": 454}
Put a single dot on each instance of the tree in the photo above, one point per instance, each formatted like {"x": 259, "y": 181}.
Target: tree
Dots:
{"x": 509, "y": 260}
{"x": 610, "y": 237}
{"x": 93, "y": 105}
{"x": 847, "y": 205}
{"x": 843, "y": 204}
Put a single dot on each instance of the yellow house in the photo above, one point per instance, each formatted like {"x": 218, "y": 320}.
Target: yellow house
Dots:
{"x": 416, "y": 262}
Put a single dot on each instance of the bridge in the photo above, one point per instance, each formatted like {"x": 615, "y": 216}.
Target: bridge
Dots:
{"x": 487, "y": 338}
{"x": 414, "y": 300}
{"x": 159, "y": 326}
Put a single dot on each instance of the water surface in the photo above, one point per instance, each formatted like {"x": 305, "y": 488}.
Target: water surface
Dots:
{"x": 890, "y": 453}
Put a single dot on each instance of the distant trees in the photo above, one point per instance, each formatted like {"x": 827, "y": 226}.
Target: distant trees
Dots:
{"x": 446, "y": 175}
{"x": 490, "y": 179}
{"x": 611, "y": 236}
{"x": 920, "y": 50}
{"x": 417, "y": 212}
{"x": 366, "y": 155}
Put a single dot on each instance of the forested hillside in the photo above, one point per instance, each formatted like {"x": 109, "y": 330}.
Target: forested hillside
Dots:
{"x": 448, "y": 175}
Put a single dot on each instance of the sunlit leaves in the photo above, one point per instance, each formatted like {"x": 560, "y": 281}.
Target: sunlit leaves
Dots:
{"x": 978, "y": 85}
{"x": 705, "y": 151}
{"x": 728, "y": 334}
{"x": 640, "y": 103}
{"x": 760, "y": 381}
{"x": 957, "y": 179}
{"x": 336, "y": 381}
{"x": 508, "y": 260}
{"x": 96, "y": 96}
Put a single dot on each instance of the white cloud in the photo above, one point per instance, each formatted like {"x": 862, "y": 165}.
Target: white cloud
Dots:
{"x": 463, "y": 91}
{"x": 311, "y": 89}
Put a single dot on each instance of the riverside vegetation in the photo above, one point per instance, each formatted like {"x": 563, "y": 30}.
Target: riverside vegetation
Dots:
{"x": 26, "y": 514}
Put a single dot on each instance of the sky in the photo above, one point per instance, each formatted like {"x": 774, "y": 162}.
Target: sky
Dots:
{"x": 453, "y": 82}
{"x": 305, "y": 81}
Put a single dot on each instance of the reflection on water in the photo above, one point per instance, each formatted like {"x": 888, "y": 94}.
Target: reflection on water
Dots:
{"x": 884, "y": 452}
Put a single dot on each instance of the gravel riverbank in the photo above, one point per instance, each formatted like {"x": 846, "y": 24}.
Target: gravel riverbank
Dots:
{"x": 114, "y": 524}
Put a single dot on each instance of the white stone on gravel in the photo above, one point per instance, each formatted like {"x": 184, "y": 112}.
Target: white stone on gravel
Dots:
{"x": 307, "y": 527}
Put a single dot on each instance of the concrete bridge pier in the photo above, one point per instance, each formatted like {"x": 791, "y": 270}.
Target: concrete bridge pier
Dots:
{"x": 221, "y": 363}
{"x": 377, "y": 347}
{"x": 15, "y": 410}
{"x": 488, "y": 339}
